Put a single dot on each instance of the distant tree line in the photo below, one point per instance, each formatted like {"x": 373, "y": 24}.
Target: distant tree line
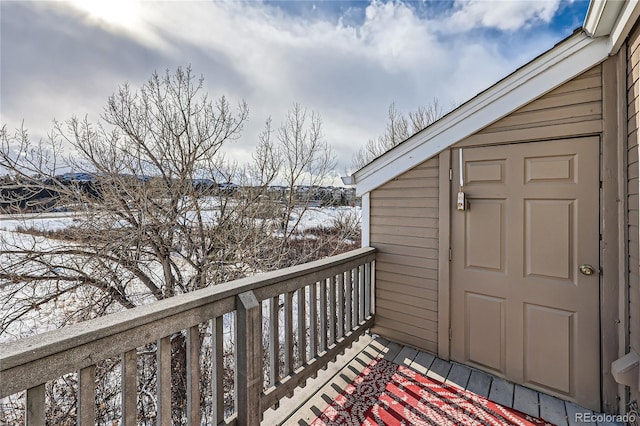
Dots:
{"x": 19, "y": 197}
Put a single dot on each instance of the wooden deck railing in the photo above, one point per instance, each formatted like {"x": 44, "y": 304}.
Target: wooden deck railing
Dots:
{"x": 330, "y": 300}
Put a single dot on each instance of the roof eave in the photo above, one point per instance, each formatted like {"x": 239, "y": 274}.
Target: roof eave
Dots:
{"x": 628, "y": 14}
{"x": 541, "y": 75}
{"x": 611, "y": 18}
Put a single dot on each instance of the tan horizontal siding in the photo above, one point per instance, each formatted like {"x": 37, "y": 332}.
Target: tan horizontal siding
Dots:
{"x": 550, "y": 101}
{"x": 403, "y": 317}
{"x": 577, "y": 101}
{"x": 633, "y": 139}
{"x": 395, "y": 211}
{"x": 408, "y": 299}
{"x": 407, "y": 184}
{"x": 408, "y": 231}
{"x": 409, "y": 241}
{"x": 409, "y": 279}
{"x": 406, "y": 339}
{"x": 404, "y": 230}
{"x": 547, "y": 132}
{"x": 418, "y": 271}
{"x": 406, "y": 221}
{"x": 408, "y": 328}
{"x": 394, "y": 193}
{"x": 422, "y": 292}
{"x": 405, "y": 260}
{"x": 399, "y": 249}
{"x": 417, "y": 312}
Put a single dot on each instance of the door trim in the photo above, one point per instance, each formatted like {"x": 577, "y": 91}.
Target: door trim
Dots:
{"x": 444, "y": 247}
{"x": 609, "y": 176}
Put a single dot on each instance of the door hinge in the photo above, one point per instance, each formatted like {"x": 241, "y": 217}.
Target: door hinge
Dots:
{"x": 450, "y": 333}
{"x": 450, "y": 255}
{"x": 450, "y": 174}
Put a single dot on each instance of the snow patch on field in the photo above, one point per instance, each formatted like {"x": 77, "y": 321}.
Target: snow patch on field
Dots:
{"x": 71, "y": 303}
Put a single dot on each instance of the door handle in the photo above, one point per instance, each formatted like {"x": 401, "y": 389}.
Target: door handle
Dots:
{"x": 586, "y": 269}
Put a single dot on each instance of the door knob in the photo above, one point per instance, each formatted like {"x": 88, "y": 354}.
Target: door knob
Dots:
{"x": 587, "y": 269}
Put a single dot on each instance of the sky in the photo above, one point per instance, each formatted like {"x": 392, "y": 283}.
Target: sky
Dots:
{"x": 346, "y": 60}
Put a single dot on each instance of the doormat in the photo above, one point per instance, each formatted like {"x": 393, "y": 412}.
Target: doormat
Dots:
{"x": 386, "y": 393}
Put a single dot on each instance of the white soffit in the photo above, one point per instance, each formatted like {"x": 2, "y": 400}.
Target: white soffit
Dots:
{"x": 627, "y": 17}
{"x": 613, "y": 18}
{"x": 601, "y": 17}
{"x": 560, "y": 64}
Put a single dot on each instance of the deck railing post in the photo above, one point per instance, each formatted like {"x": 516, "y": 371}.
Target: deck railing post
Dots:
{"x": 217, "y": 369}
{"x": 35, "y": 406}
{"x": 249, "y": 359}
{"x": 87, "y": 395}
{"x": 163, "y": 381}
{"x": 193, "y": 375}
{"x": 313, "y": 320}
{"x": 129, "y": 387}
{"x": 363, "y": 295}
{"x": 274, "y": 340}
{"x": 288, "y": 333}
{"x": 323, "y": 315}
{"x": 332, "y": 310}
{"x": 367, "y": 290}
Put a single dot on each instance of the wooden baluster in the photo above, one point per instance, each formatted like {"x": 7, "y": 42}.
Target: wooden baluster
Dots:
{"x": 129, "y": 387}
{"x": 356, "y": 298}
{"x": 217, "y": 369}
{"x": 302, "y": 326}
{"x": 193, "y": 375}
{"x": 372, "y": 286}
{"x": 35, "y": 406}
{"x": 340, "y": 305}
{"x": 274, "y": 341}
{"x": 87, "y": 395}
{"x": 363, "y": 295}
{"x": 348, "y": 302}
{"x": 332, "y": 310}
{"x": 249, "y": 359}
{"x": 313, "y": 320}
{"x": 288, "y": 333}
{"x": 163, "y": 381}
{"x": 367, "y": 290}
{"x": 323, "y": 315}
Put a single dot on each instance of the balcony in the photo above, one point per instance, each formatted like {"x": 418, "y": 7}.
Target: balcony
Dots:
{"x": 297, "y": 338}
{"x": 310, "y": 314}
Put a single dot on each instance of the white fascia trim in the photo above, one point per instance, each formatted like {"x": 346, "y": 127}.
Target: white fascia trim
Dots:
{"x": 594, "y": 15}
{"x": 366, "y": 220}
{"x": 530, "y": 82}
{"x": 626, "y": 19}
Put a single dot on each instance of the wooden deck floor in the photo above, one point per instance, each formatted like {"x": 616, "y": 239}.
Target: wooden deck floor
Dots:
{"x": 308, "y": 402}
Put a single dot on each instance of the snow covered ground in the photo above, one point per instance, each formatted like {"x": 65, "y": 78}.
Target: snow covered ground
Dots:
{"x": 41, "y": 320}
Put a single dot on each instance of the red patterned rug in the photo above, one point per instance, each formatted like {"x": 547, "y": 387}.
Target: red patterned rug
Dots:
{"x": 390, "y": 394}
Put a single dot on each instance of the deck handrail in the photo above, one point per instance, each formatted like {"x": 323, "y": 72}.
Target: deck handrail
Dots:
{"x": 27, "y": 364}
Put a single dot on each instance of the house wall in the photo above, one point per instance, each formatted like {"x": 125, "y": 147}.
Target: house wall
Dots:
{"x": 573, "y": 109}
{"x": 404, "y": 230}
{"x": 404, "y": 212}
{"x": 633, "y": 107}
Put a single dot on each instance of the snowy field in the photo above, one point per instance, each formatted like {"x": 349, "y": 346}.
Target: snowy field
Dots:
{"x": 41, "y": 320}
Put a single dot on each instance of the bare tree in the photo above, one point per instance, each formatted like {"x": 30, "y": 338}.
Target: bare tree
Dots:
{"x": 157, "y": 210}
{"x": 307, "y": 160}
{"x": 399, "y": 128}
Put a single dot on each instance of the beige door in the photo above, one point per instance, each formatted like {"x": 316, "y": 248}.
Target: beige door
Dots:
{"x": 520, "y": 306}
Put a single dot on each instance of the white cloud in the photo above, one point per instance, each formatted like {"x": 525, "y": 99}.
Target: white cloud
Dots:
{"x": 506, "y": 15}
{"x": 349, "y": 70}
